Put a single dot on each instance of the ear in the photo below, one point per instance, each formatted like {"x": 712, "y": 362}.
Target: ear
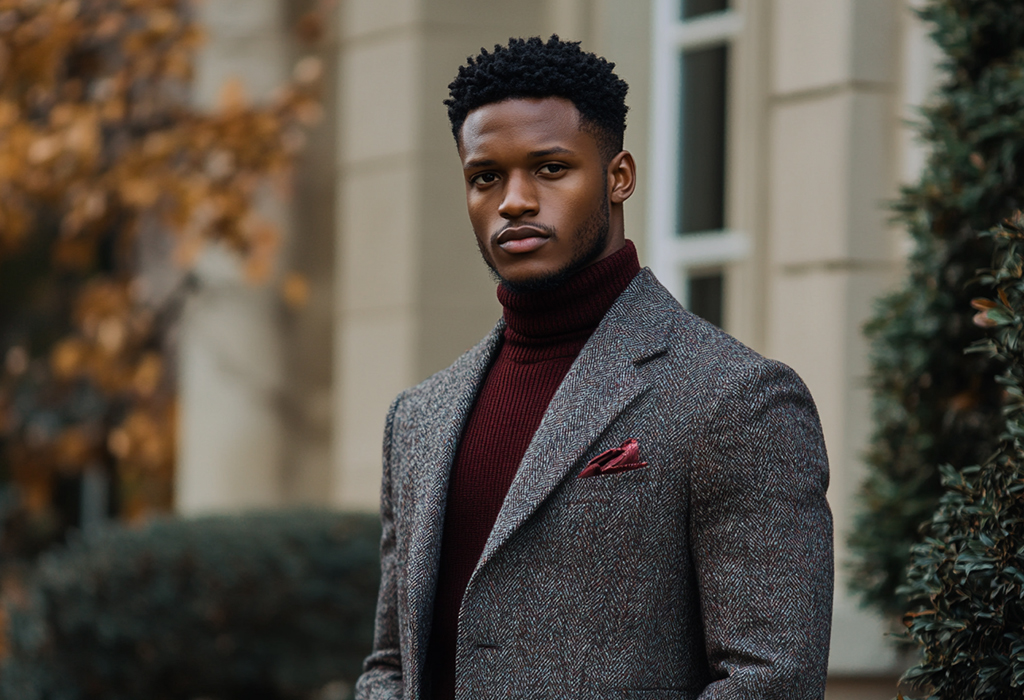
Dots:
{"x": 621, "y": 177}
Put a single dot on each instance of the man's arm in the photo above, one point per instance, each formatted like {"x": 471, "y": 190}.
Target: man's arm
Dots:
{"x": 382, "y": 670}
{"x": 762, "y": 540}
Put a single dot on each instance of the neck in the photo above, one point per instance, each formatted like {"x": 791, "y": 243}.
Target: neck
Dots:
{"x": 577, "y": 305}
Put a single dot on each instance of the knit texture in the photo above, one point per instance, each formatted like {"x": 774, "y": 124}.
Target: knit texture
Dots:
{"x": 544, "y": 333}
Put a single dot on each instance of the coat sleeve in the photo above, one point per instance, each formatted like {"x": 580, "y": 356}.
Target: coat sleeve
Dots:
{"x": 382, "y": 671}
{"x": 761, "y": 537}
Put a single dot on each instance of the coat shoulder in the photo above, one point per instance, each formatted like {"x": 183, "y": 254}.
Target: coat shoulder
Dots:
{"x": 695, "y": 348}
{"x": 689, "y": 336}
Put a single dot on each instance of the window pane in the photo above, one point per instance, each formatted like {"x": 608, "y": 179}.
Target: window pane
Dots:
{"x": 695, "y": 8}
{"x": 702, "y": 140}
{"x": 706, "y": 293}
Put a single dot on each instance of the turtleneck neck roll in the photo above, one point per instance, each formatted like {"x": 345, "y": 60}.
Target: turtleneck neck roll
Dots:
{"x": 544, "y": 332}
{"x": 577, "y": 306}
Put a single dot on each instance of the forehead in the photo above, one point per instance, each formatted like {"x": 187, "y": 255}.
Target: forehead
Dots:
{"x": 533, "y": 121}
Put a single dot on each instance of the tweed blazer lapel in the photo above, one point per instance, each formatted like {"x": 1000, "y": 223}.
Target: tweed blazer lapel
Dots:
{"x": 602, "y": 382}
{"x": 442, "y": 429}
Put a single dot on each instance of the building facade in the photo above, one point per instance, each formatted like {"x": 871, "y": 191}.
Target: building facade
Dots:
{"x": 769, "y": 135}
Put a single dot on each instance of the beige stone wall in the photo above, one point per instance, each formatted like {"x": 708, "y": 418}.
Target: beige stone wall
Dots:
{"x": 748, "y": 161}
{"x": 231, "y": 372}
{"x": 871, "y": 687}
{"x": 255, "y": 376}
{"x": 833, "y": 126}
{"x": 307, "y": 398}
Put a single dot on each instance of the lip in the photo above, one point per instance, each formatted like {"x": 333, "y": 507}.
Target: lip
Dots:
{"x": 521, "y": 239}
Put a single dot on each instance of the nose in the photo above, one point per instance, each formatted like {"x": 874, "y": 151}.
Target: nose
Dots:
{"x": 520, "y": 197}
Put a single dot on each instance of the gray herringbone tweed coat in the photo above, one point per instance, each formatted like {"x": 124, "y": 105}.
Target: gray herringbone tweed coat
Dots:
{"x": 705, "y": 574}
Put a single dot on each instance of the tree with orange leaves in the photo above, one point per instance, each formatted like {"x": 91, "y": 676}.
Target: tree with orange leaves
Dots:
{"x": 100, "y": 152}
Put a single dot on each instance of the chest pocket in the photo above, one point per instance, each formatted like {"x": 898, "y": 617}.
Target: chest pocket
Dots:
{"x": 625, "y": 487}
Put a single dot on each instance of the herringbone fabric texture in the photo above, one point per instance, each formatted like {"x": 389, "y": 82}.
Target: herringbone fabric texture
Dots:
{"x": 544, "y": 332}
{"x": 706, "y": 574}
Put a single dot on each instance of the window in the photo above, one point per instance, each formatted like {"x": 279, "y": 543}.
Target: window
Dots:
{"x": 701, "y": 168}
{"x": 690, "y": 240}
{"x": 696, "y": 8}
{"x": 705, "y": 293}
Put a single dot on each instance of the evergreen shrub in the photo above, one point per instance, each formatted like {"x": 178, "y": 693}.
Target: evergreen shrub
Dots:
{"x": 967, "y": 576}
{"x": 228, "y": 607}
{"x": 932, "y": 404}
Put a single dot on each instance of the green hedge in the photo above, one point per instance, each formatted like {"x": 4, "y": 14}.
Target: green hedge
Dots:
{"x": 967, "y": 576}
{"x": 258, "y": 607}
{"x": 933, "y": 405}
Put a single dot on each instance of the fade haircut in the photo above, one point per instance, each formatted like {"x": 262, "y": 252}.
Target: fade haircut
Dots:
{"x": 534, "y": 68}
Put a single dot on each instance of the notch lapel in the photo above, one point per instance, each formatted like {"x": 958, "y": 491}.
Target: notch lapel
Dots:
{"x": 602, "y": 382}
{"x": 440, "y": 432}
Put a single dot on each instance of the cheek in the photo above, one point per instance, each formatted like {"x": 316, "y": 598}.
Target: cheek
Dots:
{"x": 574, "y": 205}
{"x": 478, "y": 216}
{"x": 481, "y": 210}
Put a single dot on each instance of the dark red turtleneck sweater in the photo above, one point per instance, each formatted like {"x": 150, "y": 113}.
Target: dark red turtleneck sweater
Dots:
{"x": 544, "y": 333}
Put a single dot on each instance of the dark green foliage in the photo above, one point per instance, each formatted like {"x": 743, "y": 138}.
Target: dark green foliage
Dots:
{"x": 967, "y": 577}
{"x": 257, "y": 606}
{"x": 932, "y": 404}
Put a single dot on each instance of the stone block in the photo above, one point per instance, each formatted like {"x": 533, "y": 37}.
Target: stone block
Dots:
{"x": 808, "y": 180}
{"x": 570, "y": 19}
{"x": 446, "y": 332}
{"x": 363, "y": 18}
{"x": 811, "y": 43}
{"x": 860, "y": 645}
{"x": 238, "y": 19}
{"x": 876, "y": 29}
{"x": 375, "y": 357}
{"x": 823, "y": 43}
{"x": 830, "y": 178}
{"x": 873, "y": 163}
{"x": 520, "y": 18}
{"x": 380, "y": 98}
{"x": 231, "y": 434}
{"x": 379, "y": 237}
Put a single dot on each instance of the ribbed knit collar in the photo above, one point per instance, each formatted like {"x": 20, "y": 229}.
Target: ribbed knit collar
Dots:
{"x": 555, "y": 321}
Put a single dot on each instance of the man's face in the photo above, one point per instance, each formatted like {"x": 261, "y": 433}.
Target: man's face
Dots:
{"x": 537, "y": 190}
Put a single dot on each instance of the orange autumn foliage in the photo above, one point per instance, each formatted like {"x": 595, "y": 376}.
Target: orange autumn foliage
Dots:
{"x": 99, "y": 141}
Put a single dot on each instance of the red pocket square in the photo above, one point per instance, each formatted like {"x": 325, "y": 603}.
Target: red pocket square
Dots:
{"x": 618, "y": 459}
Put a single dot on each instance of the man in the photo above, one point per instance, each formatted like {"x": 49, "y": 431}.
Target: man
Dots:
{"x": 607, "y": 497}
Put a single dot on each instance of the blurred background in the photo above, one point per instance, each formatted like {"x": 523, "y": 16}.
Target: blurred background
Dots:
{"x": 232, "y": 231}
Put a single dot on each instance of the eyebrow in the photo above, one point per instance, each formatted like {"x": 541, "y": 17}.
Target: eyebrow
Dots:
{"x": 555, "y": 150}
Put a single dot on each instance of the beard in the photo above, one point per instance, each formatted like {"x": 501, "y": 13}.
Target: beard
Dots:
{"x": 589, "y": 242}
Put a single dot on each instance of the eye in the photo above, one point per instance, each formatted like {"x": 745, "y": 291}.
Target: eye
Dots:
{"x": 484, "y": 178}
{"x": 552, "y": 168}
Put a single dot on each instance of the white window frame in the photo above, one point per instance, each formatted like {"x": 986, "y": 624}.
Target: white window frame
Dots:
{"x": 675, "y": 256}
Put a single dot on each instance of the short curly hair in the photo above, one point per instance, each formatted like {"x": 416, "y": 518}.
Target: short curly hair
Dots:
{"x": 535, "y": 68}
